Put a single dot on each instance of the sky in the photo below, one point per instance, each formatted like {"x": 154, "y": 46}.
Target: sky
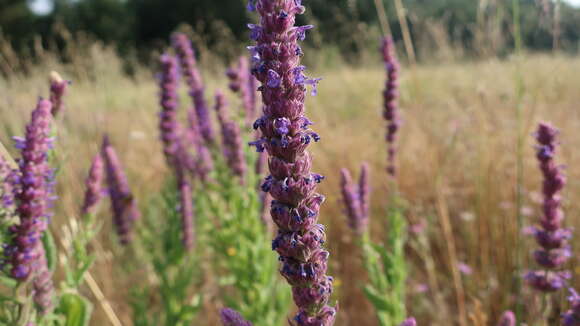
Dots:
{"x": 43, "y": 7}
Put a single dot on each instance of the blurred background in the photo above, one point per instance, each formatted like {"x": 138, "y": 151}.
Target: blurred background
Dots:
{"x": 442, "y": 29}
{"x": 469, "y": 100}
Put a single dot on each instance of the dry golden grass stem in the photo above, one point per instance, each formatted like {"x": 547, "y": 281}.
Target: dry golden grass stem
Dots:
{"x": 402, "y": 15}
{"x": 383, "y": 18}
{"x": 445, "y": 221}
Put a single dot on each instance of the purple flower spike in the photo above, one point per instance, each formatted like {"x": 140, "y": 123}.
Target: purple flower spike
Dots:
{"x": 409, "y": 322}
{"x": 123, "y": 204}
{"x": 184, "y": 50}
{"x": 356, "y": 200}
{"x": 33, "y": 194}
{"x": 572, "y": 316}
{"x": 6, "y": 194}
{"x": 507, "y": 319}
{"x": 230, "y": 317}
{"x": 58, "y": 88}
{"x": 176, "y": 154}
{"x": 94, "y": 186}
{"x": 285, "y": 136}
{"x": 243, "y": 83}
{"x": 551, "y": 236}
{"x": 390, "y": 98}
{"x": 231, "y": 138}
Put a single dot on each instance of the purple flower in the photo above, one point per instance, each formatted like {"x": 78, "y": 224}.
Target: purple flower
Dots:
{"x": 94, "y": 185}
{"x": 507, "y": 319}
{"x": 285, "y": 135}
{"x": 409, "y": 322}
{"x": 390, "y": 98}
{"x": 243, "y": 83}
{"x": 6, "y": 195}
{"x": 231, "y": 139}
{"x": 356, "y": 199}
{"x": 230, "y": 317}
{"x": 58, "y": 88}
{"x": 33, "y": 188}
{"x": 123, "y": 204}
{"x": 551, "y": 236}
{"x": 175, "y": 152}
{"x": 184, "y": 50}
{"x": 572, "y": 316}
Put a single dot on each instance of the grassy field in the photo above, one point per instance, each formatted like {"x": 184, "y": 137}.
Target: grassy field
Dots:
{"x": 457, "y": 158}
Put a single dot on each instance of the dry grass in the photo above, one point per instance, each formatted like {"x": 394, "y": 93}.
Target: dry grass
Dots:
{"x": 456, "y": 157}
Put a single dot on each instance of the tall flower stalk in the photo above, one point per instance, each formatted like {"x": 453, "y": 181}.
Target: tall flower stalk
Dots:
{"x": 552, "y": 238}
{"x": 356, "y": 199}
{"x": 58, "y": 88}
{"x": 243, "y": 83}
{"x": 123, "y": 204}
{"x": 286, "y": 136}
{"x": 94, "y": 185}
{"x": 172, "y": 137}
{"x": 390, "y": 98}
{"x": 186, "y": 55}
{"x": 231, "y": 138}
{"x": 33, "y": 194}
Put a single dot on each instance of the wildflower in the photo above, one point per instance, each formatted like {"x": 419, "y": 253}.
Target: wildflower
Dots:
{"x": 6, "y": 196}
{"x": 230, "y": 317}
{"x": 184, "y": 50}
{"x": 356, "y": 200}
{"x": 507, "y": 319}
{"x": 243, "y": 83}
{"x": 231, "y": 138}
{"x": 123, "y": 204}
{"x": 33, "y": 189}
{"x": 572, "y": 316}
{"x": 409, "y": 322}
{"x": 285, "y": 136}
{"x": 94, "y": 185}
{"x": 58, "y": 88}
{"x": 390, "y": 97}
{"x": 550, "y": 236}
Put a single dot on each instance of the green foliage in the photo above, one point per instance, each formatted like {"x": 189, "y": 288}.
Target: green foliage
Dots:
{"x": 174, "y": 269}
{"x": 386, "y": 267}
{"x": 241, "y": 248}
{"x": 76, "y": 309}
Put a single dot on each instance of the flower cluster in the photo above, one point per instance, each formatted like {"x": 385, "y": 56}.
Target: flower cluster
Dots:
{"x": 390, "y": 97}
{"x": 286, "y": 134}
{"x": 123, "y": 204}
{"x": 409, "y": 322}
{"x": 6, "y": 198}
{"x": 231, "y": 138}
{"x": 184, "y": 50}
{"x": 572, "y": 316}
{"x": 175, "y": 152}
{"x": 507, "y": 319}
{"x": 33, "y": 188}
{"x": 551, "y": 236}
{"x": 356, "y": 199}
{"x": 244, "y": 83}
{"x": 230, "y": 317}
{"x": 58, "y": 88}
{"x": 94, "y": 185}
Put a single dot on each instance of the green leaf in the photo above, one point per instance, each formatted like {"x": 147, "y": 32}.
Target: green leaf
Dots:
{"x": 8, "y": 281}
{"x": 50, "y": 249}
{"x": 76, "y": 309}
{"x": 380, "y": 302}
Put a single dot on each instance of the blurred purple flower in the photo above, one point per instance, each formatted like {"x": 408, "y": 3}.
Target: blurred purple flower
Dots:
{"x": 93, "y": 185}
{"x": 244, "y": 83}
{"x": 231, "y": 138}
{"x": 230, "y": 317}
{"x": 123, "y": 204}
{"x": 390, "y": 98}
{"x": 572, "y": 316}
{"x": 186, "y": 55}
{"x": 356, "y": 199}
{"x": 58, "y": 88}
{"x": 507, "y": 319}
{"x": 551, "y": 236}
{"x": 409, "y": 322}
